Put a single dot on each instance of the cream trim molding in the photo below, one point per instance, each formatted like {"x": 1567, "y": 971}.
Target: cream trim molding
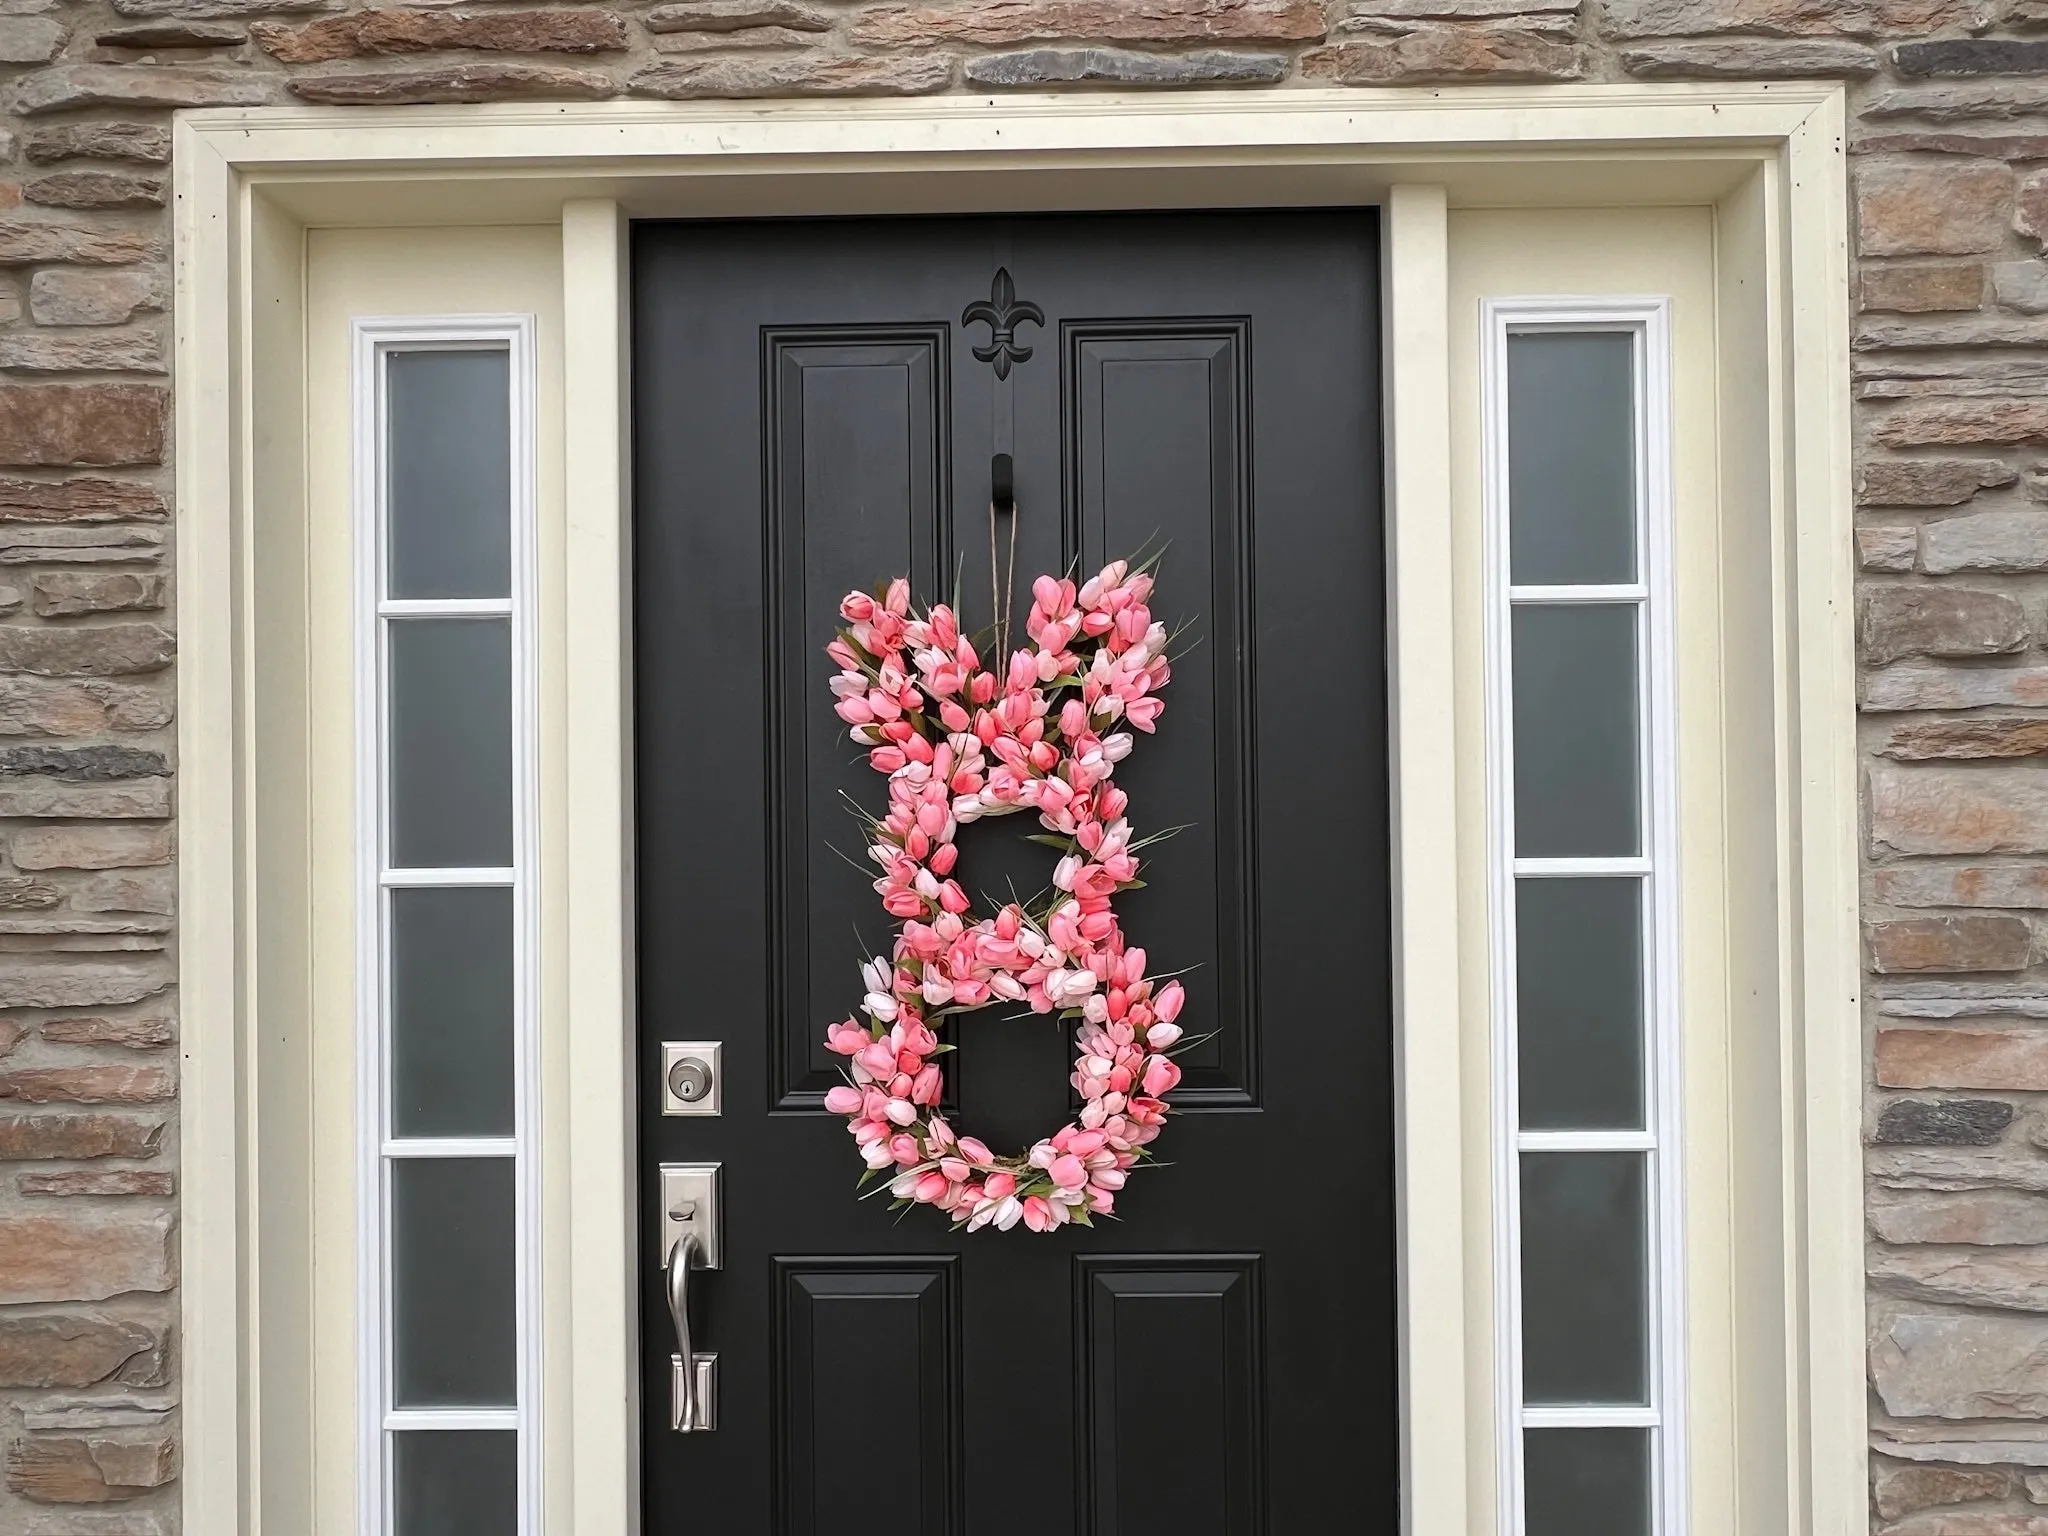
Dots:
{"x": 250, "y": 183}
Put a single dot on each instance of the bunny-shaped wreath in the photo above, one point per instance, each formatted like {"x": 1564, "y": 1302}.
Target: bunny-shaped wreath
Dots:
{"x": 959, "y": 742}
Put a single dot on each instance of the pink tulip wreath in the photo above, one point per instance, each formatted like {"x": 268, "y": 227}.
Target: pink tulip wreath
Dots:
{"x": 959, "y": 742}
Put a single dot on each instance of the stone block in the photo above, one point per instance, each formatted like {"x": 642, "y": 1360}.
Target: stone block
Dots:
{"x": 736, "y": 16}
{"x": 1884, "y": 482}
{"x": 68, "y": 87}
{"x": 391, "y": 30}
{"x": 1980, "y": 736}
{"x": 1930, "y": 1122}
{"x": 91, "y": 1469}
{"x": 1966, "y": 885}
{"x": 1099, "y": 21}
{"x": 99, "y": 763}
{"x": 2021, "y": 285}
{"x": 67, "y": 1255}
{"x": 1899, "y": 1490}
{"x": 2002, "y": 1060}
{"x": 1749, "y": 58}
{"x": 29, "y": 39}
{"x": 1792, "y": 18}
{"x": 1971, "y": 56}
{"x": 1970, "y": 941}
{"x": 2013, "y": 1280}
{"x": 60, "y": 296}
{"x": 1948, "y": 423}
{"x": 82, "y": 424}
{"x": 1446, "y": 51}
{"x": 78, "y": 1349}
{"x": 97, "y": 1083}
{"x": 91, "y": 847}
{"x": 86, "y": 545}
{"x": 65, "y": 594}
{"x": 143, "y": 799}
{"x": 1986, "y": 1218}
{"x": 1121, "y": 66}
{"x": 1987, "y": 100}
{"x": 456, "y": 82}
{"x": 1986, "y": 541}
{"x": 1887, "y": 548}
{"x": 20, "y": 893}
{"x": 154, "y": 36}
{"x": 1912, "y": 210}
{"x": 1954, "y": 687}
{"x": 204, "y": 10}
{"x": 125, "y": 891}
{"x": 66, "y": 1137}
{"x": 1928, "y": 620}
{"x": 800, "y": 75}
{"x": 98, "y": 1183}
{"x": 82, "y": 499}
{"x": 1940, "y": 1366}
{"x": 135, "y": 351}
{"x": 95, "y": 189}
{"x": 1958, "y": 810}
{"x": 143, "y": 143}
{"x": 1923, "y": 288}
{"x": 107, "y": 650}
{"x": 135, "y": 1032}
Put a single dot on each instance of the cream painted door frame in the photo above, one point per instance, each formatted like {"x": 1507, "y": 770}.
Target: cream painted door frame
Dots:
{"x": 1767, "y": 159}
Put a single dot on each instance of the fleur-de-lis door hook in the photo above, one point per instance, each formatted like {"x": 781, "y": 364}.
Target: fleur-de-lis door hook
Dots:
{"x": 1002, "y": 312}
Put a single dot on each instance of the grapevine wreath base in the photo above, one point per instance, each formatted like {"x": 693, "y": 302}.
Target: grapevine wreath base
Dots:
{"x": 958, "y": 742}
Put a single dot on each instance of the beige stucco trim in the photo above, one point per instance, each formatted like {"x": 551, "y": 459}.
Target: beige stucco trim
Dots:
{"x": 249, "y": 182}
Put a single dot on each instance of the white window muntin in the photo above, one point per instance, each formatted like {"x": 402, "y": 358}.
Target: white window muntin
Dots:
{"x": 375, "y": 342}
{"x": 1646, "y": 320}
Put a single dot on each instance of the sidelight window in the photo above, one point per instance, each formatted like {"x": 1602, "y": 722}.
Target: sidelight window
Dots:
{"x": 448, "y": 1170}
{"x": 1586, "y": 1176}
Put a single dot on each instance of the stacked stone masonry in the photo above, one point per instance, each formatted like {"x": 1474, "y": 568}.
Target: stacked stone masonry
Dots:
{"x": 1950, "y": 183}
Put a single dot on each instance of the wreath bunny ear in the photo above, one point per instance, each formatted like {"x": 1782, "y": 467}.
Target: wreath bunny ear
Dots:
{"x": 957, "y": 742}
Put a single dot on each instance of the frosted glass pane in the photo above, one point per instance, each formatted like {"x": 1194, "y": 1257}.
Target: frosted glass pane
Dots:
{"x": 449, "y": 468}
{"x": 1579, "y": 1003}
{"x": 455, "y": 1482}
{"x": 1584, "y": 1278}
{"x": 1586, "y": 1482}
{"x": 451, "y": 1012}
{"x": 1575, "y": 730}
{"x": 451, "y": 743}
{"x": 1571, "y": 458}
{"x": 452, "y": 1296}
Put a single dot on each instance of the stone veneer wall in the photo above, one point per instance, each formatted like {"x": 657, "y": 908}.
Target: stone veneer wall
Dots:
{"x": 1950, "y": 145}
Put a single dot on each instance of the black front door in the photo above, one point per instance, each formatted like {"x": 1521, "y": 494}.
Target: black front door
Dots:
{"x": 815, "y": 409}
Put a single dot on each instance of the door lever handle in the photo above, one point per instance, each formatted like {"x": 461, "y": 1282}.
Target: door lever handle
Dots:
{"x": 693, "y": 1377}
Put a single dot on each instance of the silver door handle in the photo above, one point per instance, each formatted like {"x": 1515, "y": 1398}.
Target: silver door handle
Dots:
{"x": 693, "y": 1377}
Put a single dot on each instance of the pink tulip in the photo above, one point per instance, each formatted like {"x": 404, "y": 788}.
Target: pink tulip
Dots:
{"x": 1068, "y": 1172}
{"x": 975, "y": 1152}
{"x": 842, "y": 1100}
{"x": 999, "y": 1184}
{"x": 1160, "y": 1075}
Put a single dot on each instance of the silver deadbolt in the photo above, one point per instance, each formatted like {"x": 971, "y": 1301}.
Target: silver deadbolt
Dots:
{"x": 690, "y": 1077}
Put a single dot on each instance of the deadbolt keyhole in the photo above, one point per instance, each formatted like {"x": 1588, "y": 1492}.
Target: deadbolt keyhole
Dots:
{"x": 689, "y": 1079}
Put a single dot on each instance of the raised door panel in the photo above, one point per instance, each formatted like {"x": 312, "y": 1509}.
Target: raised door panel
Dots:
{"x": 1169, "y": 1382}
{"x": 855, "y": 461}
{"x": 867, "y": 1397}
{"x": 1158, "y": 437}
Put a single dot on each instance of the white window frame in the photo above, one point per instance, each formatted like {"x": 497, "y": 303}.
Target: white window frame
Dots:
{"x": 374, "y": 339}
{"x": 1647, "y": 320}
